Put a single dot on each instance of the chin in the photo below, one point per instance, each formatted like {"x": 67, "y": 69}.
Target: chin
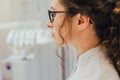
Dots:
{"x": 60, "y": 44}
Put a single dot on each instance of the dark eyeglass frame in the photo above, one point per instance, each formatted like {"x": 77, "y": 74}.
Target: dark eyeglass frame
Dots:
{"x": 51, "y": 18}
{"x": 50, "y": 13}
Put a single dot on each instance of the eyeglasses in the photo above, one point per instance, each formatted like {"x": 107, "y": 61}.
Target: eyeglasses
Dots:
{"x": 52, "y": 14}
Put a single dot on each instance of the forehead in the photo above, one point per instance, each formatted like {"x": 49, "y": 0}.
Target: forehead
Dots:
{"x": 57, "y": 5}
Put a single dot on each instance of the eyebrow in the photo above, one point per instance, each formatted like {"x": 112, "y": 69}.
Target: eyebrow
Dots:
{"x": 53, "y": 8}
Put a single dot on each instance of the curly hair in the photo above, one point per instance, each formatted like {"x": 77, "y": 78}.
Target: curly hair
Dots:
{"x": 105, "y": 15}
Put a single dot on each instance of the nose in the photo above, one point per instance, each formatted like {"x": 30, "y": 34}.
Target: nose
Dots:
{"x": 49, "y": 24}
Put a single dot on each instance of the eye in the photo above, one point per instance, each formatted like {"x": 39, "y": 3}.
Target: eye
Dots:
{"x": 53, "y": 14}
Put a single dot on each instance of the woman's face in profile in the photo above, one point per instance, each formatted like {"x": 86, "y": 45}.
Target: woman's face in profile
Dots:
{"x": 58, "y": 26}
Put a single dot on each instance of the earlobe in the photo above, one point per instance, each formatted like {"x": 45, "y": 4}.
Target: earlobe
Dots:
{"x": 81, "y": 27}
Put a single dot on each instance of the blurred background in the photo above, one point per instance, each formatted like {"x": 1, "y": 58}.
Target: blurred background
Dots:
{"x": 27, "y": 51}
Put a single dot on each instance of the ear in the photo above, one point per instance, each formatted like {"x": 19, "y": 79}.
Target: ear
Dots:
{"x": 83, "y": 22}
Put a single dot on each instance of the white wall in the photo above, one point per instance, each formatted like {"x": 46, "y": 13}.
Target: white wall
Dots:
{"x": 15, "y": 9}
{"x": 47, "y": 66}
{"x": 5, "y": 11}
{"x": 3, "y": 46}
{"x": 10, "y": 10}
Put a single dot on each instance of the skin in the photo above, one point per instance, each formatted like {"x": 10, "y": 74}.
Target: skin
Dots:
{"x": 83, "y": 36}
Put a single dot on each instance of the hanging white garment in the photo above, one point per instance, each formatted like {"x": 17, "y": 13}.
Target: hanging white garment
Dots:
{"x": 94, "y": 65}
{"x": 1, "y": 76}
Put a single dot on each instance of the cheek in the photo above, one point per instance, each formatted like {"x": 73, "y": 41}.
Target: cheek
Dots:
{"x": 65, "y": 32}
{"x": 60, "y": 31}
{"x": 56, "y": 28}
{"x": 58, "y": 24}
{"x": 73, "y": 28}
{"x": 56, "y": 36}
{"x": 57, "y": 33}
{"x": 58, "y": 20}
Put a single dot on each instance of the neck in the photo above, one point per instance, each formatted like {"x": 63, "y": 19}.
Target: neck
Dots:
{"x": 82, "y": 49}
{"x": 85, "y": 42}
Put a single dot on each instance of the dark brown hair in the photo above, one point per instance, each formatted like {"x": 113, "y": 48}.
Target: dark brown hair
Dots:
{"x": 105, "y": 15}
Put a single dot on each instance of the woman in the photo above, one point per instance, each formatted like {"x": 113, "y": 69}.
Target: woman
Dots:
{"x": 92, "y": 27}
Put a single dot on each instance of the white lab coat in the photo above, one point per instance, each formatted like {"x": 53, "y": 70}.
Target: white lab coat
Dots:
{"x": 94, "y": 65}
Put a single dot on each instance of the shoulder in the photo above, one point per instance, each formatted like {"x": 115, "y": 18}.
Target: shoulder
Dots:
{"x": 97, "y": 67}
{"x": 95, "y": 71}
